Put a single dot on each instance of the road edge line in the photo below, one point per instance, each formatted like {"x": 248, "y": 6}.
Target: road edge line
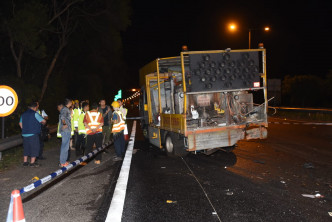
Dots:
{"x": 114, "y": 213}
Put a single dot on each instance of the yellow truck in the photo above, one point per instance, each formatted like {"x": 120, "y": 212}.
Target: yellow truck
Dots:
{"x": 204, "y": 100}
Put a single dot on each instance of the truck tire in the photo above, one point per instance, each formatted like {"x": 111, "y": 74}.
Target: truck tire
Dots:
{"x": 169, "y": 145}
{"x": 174, "y": 146}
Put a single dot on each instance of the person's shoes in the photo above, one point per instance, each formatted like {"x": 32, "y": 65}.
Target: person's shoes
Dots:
{"x": 64, "y": 165}
{"x": 34, "y": 164}
{"x": 25, "y": 164}
{"x": 97, "y": 161}
{"x": 117, "y": 159}
{"x": 83, "y": 163}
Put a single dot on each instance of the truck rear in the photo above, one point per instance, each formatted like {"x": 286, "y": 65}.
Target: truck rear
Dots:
{"x": 204, "y": 100}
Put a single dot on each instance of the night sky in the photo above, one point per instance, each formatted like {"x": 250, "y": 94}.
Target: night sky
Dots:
{"x": 299, "y": 41}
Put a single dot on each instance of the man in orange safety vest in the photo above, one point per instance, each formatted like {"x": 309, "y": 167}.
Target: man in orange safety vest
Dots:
{"x": 93, "y": 122}
{"x": 117, "y": 130}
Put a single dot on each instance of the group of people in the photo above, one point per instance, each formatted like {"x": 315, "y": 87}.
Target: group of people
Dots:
{"x": 81, "y": 125}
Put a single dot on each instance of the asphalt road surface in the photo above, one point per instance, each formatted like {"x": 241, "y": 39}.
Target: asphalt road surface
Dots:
{"x": 260, "y": 180}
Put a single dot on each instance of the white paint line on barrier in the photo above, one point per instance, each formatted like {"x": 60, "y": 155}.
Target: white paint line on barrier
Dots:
{"x": 115, "y": 211}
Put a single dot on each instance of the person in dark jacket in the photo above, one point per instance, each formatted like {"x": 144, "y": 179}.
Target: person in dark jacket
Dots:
{"x": 30, "y": 123}
{"x": 107, "y": 115}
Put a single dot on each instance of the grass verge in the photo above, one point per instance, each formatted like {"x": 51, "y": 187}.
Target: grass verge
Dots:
{"x": 14, "y": 157}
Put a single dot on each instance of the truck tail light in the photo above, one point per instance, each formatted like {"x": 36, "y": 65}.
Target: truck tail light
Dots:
{"x": 257, "y": 84}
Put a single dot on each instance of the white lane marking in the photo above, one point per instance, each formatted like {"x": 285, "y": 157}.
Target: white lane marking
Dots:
{"x": 115, "y": 211}
{"x": 205, "y": 193}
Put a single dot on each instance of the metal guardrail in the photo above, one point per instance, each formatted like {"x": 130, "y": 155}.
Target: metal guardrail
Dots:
{"x": 17, "y": 140}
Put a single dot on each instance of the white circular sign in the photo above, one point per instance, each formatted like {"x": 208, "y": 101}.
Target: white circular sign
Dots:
{"x": 8, "y": 100}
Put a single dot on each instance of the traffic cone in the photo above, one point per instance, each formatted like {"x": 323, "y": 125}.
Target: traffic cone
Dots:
{"x": 126, "y": 136}
{"x": 15, "y": 211}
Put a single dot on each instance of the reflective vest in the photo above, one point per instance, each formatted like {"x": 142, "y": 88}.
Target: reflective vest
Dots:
{"x": 94, "y": 121}
{"x": 58, "y": 134}
{"x": 81, "y": 127}
{"x": 120, "y": 126}
{"x": 76, "y": 116}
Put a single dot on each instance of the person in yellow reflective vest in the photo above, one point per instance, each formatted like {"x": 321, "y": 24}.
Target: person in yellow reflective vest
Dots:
{"x": 93, "y": 122}
{"x": 80, "y": 142}
{"x": 117, "y": 130}
{"x": 76, "y": 113}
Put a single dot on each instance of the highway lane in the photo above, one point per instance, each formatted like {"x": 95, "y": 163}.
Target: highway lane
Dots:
{"x": 261, "y": 180}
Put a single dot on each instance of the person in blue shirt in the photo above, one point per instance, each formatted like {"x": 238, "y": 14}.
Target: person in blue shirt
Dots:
{"x": 30, "y": 123}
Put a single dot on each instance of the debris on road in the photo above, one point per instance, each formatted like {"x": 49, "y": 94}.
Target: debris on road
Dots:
{"x": 330, "y": 213}
{"x": 259, "y": 161}
{"x": 206, "y": 183}
{"x": 163, "y": 167}
{"x": 229, "y": 193}
{"x": 308, "y": 166}
{"x": 171, "y": 201}
{"x": 282, "y": 182}
{"x": 34, "y": 179}
{"x": 313, "y": 196}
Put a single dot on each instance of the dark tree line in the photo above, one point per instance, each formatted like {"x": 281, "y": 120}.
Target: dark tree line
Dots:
{"x": 52, "y": 49}
{"x": 307, "y": 91}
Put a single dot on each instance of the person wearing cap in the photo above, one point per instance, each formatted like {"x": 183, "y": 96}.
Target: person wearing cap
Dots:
{"x": 117, "y": 130}
{"x": 30, "y": 123}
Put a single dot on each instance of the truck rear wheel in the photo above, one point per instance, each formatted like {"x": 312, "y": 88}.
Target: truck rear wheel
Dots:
{"x": 174, "y": 146}
{"x": 169, "y": 146}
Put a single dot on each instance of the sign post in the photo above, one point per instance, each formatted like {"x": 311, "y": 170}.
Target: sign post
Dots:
{"x": 3, "y": 128}
{"x": 8, "y": 104}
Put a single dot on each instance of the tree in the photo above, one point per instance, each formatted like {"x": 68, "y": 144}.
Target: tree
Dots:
{"x": 65, "y": 26}
{"x": 303, "y": 90}
{"x": 23, "y": 29}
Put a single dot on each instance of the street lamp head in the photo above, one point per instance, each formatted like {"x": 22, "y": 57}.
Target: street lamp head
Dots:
{"x": 232, "y": 27}
{"x": 267, "y": 29}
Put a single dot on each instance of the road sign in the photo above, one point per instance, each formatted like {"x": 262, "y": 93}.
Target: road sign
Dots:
{"x": 118, "y": 96}
{"x": 8, "y": 100}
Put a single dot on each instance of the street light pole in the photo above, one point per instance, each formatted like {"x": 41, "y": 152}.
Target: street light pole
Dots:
{"x": 249, "y": 38}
